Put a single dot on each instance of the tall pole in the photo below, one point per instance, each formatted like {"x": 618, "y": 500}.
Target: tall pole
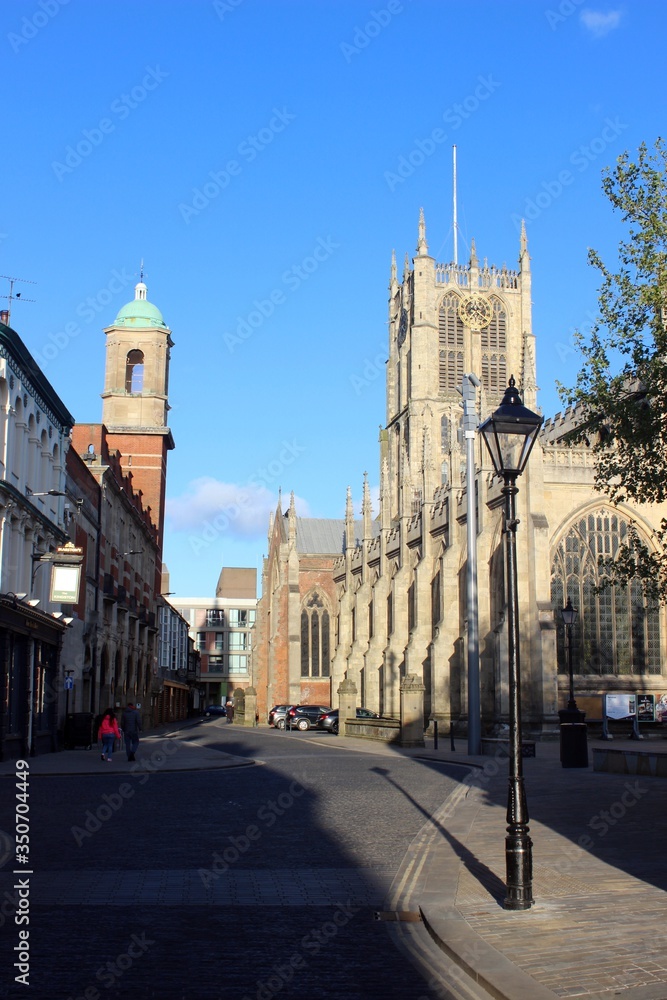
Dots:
{"x": 470, "y": 422}
{"x": 572, "y": 705}
{"x": 518, "y": 845}
{"x": 455, "y": 217}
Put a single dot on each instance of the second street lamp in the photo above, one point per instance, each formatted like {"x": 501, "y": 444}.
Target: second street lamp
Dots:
{"x": 573, "y": 732}
{"x": 510, "y": 433}
{"x": 569, "y": 616}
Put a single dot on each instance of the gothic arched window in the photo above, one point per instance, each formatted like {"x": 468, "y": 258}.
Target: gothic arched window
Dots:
{"x": 493, "y": 341}
{"x": 617, "y": 630}
{"x": 315, "y": 643}
{"x": 134, "y": 371}
{"x": 450, "y": 341}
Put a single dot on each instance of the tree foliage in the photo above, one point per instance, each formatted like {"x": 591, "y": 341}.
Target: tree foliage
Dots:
{"x": 621, "y": 389}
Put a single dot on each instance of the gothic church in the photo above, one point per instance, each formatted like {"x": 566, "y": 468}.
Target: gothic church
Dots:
{"x": 376, "y": 598}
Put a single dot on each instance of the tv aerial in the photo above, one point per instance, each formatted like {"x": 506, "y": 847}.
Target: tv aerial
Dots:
{"x": 18, "y": 295}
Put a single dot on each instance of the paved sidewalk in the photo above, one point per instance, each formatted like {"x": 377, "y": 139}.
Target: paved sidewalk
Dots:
{"x": 175, "y": 748}
{"x": 598, "y": 927}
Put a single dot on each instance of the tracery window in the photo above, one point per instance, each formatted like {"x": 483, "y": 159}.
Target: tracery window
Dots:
{"x": 450, "y": 343}
{"x": 493, "y": 341}
{"x": 617, "y": 630}
{"x": 315, "y": 639}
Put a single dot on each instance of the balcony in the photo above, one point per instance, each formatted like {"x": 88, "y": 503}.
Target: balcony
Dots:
{"x": 109, "y": 588}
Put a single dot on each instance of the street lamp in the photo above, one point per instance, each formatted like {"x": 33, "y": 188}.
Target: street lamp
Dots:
{"x": 569, "y": 616}
{"x": 510, "y": 433}
{"x": 573, "y": 733}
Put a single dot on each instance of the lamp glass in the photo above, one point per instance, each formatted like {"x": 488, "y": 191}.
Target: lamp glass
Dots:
{"x": 510, "y": 433}
{"x": 568, "y": 613}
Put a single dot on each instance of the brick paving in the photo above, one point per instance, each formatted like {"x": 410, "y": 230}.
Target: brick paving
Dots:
{"x": 331, "y": 830}
{"x": 598, "y": 927}
{"x": 597, "y": 930}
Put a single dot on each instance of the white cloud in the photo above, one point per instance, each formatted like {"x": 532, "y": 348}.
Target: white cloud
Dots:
{"x": 600, "y": 24}
{"x": 240, "y": 511}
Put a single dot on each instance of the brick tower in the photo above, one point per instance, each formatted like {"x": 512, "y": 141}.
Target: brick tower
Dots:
{"x": 135, "y": 403}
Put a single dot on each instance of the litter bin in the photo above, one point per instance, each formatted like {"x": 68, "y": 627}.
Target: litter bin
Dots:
{"x": 573, "y": 739}
{"x": 78, "y": 730}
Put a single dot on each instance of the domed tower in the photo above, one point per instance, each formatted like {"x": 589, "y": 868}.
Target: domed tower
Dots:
{"x": 135, "y": 399}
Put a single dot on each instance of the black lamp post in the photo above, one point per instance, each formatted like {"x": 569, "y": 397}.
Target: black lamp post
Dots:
{"x": 573, "y": 733}
{"x": 569, "y": 616}
{"x": 510, "y": 433}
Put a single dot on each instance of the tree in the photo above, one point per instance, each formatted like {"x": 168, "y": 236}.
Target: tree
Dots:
{"x": 621, "y": 389}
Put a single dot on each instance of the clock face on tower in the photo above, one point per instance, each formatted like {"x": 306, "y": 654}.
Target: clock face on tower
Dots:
{"x": 403, "y": 327}
{"x": 475, "y": 312}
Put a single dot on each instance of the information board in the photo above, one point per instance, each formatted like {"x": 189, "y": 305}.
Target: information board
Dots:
{"x": 620, "y": 706}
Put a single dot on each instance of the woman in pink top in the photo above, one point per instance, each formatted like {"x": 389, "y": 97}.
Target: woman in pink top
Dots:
{"x": 108, "y": 733}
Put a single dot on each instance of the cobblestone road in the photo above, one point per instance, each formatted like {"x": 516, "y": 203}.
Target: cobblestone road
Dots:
{"x": 238, "y": 884}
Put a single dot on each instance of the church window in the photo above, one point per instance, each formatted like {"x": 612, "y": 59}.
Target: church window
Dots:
{"x": 436, "y": 601}
{"x": 493, "y": 341}
{"x": 618, "y": 630}
{"x": 444, "y": 434}
{"x": 315, "y": 646}
{"x": 370, "y": 620}
{"x": 450, "y": 344}
{"x": 390, "y": 613}
{"x": 134, "y": 372}
{"x": 412, "y": 607}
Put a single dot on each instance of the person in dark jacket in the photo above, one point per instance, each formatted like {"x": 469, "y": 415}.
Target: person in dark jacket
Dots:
{"x": 131, "y": 726}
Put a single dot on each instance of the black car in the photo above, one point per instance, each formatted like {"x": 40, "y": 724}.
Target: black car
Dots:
{"x": 215, "y": 710}
{"x": 329, "y": 720}
{"x": 304, "y": 716}
{"x": 277, "y": 716}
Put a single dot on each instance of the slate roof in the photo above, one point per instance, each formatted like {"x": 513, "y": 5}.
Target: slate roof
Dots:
{"x": 326, "y": 535}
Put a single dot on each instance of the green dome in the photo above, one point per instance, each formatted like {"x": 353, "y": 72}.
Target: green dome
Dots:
{"x": 140, "y": 312}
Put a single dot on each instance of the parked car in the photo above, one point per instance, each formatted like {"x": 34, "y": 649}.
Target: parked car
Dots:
{"x": 215, "y": 710}
{"x": 329, "y": 720}
{"x": 305, "y": 716}
{"x": 277, "y": 716}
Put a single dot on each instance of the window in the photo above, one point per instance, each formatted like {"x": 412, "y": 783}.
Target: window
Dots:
{"x": 215, "y": 617}
{"x": 315, "y": 650}
{"x": 236, "y": 664}
{"x": 219, "y": 641}
{"x": 494, "y": 344}
{"x": 201, "y": 640}
{"x": 390, "y": 613}
{"x": 134, "y": 372}
{"x": 239, "y": 640}
{"x": 241, "y": 617}
{"x": 436, "y": 601}
{"x": 412, "y": 607}
{"x": 618, "y": 630}
{"x": 451, "y": 343}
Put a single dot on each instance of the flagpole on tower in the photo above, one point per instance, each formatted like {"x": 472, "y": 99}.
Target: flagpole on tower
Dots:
{"x": 456, "y": 224}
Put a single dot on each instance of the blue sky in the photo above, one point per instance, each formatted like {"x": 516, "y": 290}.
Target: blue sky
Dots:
{"x": 264, "y": 158}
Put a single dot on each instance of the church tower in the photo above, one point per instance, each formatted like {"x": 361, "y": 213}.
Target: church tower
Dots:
{"x": 135, "y": 399}
{"x": 446, "y": 320}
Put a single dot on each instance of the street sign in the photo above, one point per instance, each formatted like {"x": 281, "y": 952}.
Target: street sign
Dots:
{"x": 69, "y": 683}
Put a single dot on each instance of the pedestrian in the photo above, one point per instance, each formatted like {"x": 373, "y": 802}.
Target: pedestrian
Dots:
{"x": 229, "y": 708}
{"x": 131, "y": 726}
{"x": 108, "y": 733}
